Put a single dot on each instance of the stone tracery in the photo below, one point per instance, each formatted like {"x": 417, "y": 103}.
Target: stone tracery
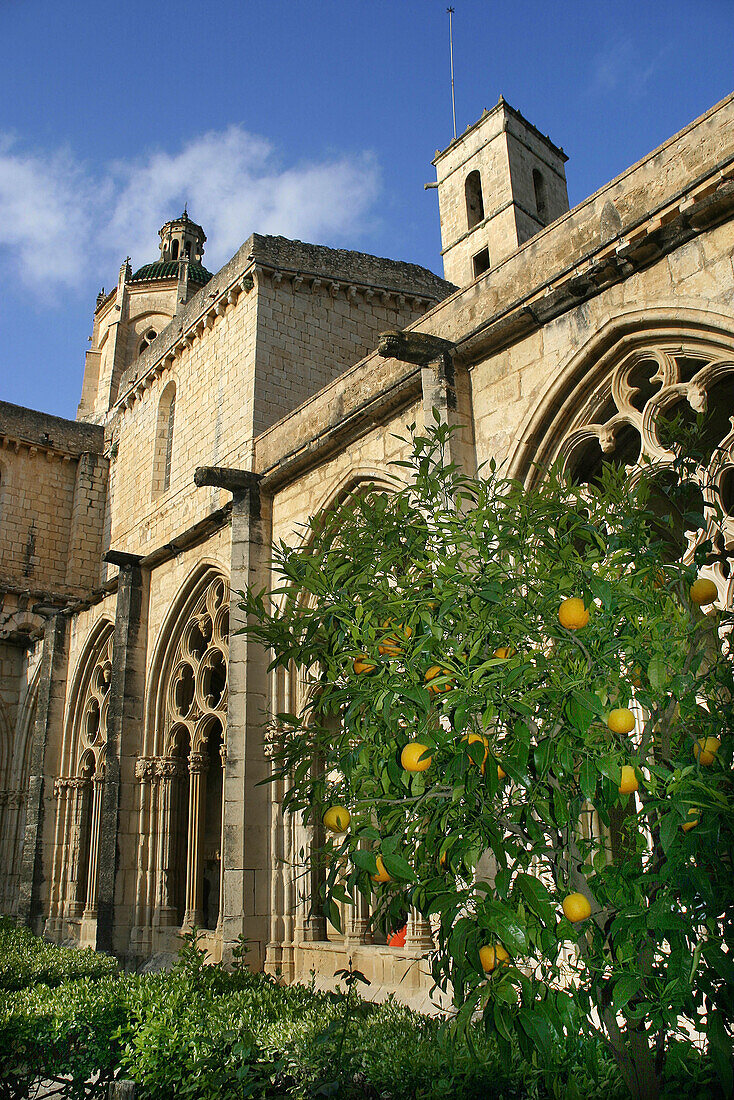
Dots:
{"x": 626, "y": 421}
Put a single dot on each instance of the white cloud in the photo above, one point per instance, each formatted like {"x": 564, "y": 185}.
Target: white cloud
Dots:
{"x": 624, "y": 67}
{"x": 59, "y": 222}
{"x": 45, "y": 204}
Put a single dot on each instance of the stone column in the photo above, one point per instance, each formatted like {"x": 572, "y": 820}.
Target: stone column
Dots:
{"x": 418, "y": 936}
{"x": 78, "y": 847}
{"x": 198, "y": 765}
{"x": 169, "y": 772}
{"x": 246, "y": 861}
{"x": 116, "y": 875}
{"x": 47, "y": 735}
{"x": 56, "y": 893}
{"x": 144, "y": 772}
{"x": 90, "y": 909}
{"x": 358, "y": 928}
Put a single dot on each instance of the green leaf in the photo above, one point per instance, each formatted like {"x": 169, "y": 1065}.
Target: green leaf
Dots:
{"x": 537, "y": 897}
{"x": 587, "y": 779}
{"x": 669, "y": 826}
{"x": 397, "y": 867}
{"x": 657, "y": 673}
{"x": 366, "y": 861}
{"x": 624, "y": 989}
{"x": 335, "y": 916}
{"x": 491, "y": 593}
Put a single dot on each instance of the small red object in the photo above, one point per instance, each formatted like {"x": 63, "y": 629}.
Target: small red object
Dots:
{"x": 397, "y": 939}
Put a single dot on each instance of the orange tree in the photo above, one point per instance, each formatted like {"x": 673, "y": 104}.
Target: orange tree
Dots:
{"x": 463, "y": 711}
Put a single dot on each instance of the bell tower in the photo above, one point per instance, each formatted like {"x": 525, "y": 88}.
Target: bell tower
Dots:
{"x": 499, "y": 183}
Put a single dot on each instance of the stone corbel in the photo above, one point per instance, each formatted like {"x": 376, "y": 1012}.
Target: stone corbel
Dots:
{"x": 413, "y": 347}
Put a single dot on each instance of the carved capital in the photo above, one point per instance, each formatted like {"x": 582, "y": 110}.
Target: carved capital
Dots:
{"x": 198, "y": 763}
{"x": 145, "y": 768}
{"x": 168, "y": 767}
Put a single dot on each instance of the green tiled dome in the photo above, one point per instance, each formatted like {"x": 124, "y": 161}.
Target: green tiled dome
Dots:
{"x": 168, "y": 269}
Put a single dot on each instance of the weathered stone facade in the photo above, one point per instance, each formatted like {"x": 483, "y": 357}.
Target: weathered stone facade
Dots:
{"x": 131, "y": 712}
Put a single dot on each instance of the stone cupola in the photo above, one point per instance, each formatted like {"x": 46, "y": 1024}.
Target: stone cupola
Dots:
{"x": 182, "y": 237}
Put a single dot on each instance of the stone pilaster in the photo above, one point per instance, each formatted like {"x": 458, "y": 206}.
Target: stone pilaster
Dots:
{"x": 247, "y": 805}
{"x": 35, "y": 869}
{"x": 116, "y": 876}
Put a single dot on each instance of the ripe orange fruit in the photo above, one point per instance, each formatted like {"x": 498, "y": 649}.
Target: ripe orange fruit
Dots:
{"x": 410, "y": 757}
{"x": 362, "y": 664}
{"x": 472, "y": 738}
{"x": 505, "y": 652}
{"x": 501, "y": 773}
{"x": 572, "y": 614}
{"x": 382, "y": 875}
{"x": 337, "y": 818}
{"x": 492, "y": 955}
{"x": 390, "y": 646}
{"x": 703, "y": 591}
{"x": 432, "y": 674}
{"x": 621, "y": 720}
{"x": 706, "y": 749}
{"x": 576, "y": 907}
{"x": 629, "y": 782}
{"x": 686, "y": 825}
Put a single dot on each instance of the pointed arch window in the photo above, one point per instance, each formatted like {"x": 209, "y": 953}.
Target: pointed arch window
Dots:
{"x": 79, "y": 793}
{"x": 164, "y": 440}
{"x": 189, "y": 728}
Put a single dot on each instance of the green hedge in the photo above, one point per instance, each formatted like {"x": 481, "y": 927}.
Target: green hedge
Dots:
{"x": 199, "y": 1032}
{"x": 26, "y": 960}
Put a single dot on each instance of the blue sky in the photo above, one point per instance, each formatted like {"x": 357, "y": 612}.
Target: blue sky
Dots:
{"x": 316, "y": 120}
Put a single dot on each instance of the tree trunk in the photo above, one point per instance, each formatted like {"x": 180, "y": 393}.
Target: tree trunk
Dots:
{"x": 635, "y": 1057}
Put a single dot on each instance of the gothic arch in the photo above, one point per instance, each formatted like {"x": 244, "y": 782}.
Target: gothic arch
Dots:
{"x": 79, "y": 788}
{"x": 612, "y": 400}
{"x": 89, "y": 693}
{"x": 574, "y": 391}
{"x": 295, "y": 885}
{"x": 182, "y": 770}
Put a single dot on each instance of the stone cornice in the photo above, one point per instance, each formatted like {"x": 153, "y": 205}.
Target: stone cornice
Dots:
{"x": 315, "y": 282}
{"x": 13, "y": 443}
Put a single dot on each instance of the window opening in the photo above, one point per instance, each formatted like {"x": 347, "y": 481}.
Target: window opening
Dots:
{"x": 540, "y": 200}
{"x": 147, "y": 340}
{"x": 474, "y": 200}
{"x": 480, "y": 262}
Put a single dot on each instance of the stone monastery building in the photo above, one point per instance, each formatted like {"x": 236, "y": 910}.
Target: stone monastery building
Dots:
{"x": 217, "y": 413}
